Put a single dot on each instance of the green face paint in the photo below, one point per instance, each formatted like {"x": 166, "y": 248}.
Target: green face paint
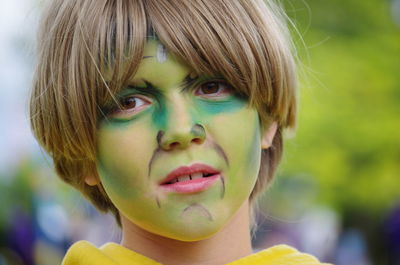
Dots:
{"x": 171, "y": 119}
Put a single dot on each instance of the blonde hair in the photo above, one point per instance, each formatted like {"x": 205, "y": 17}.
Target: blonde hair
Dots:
{"x": 246, "y": 41}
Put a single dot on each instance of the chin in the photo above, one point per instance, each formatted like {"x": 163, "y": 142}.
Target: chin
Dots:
{"x": 197, "y": 233}
{"x": 183, "y": 230}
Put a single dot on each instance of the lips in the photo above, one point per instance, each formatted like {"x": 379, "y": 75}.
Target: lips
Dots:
{"x": 190, "y": 179}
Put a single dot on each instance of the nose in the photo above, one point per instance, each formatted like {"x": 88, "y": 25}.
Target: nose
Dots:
{"x": 181, "y": 131}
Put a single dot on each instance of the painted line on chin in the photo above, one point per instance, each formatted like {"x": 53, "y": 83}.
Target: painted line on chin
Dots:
{"x": 199, "y": 207}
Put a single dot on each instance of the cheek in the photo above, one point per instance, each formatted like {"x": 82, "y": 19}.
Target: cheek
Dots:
{"x": 233, "y": 125}
{"x": 239, "y": 135}
{"x": 121, "y": 153}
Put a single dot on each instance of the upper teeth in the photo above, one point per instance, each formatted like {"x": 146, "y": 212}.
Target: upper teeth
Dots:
{"x": 197, "y": 175}
{"x": 188, "y": 177}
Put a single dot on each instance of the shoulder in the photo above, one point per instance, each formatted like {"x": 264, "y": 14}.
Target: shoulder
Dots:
{"x": 84, "y": 253}
{"x": 279, "y": 255}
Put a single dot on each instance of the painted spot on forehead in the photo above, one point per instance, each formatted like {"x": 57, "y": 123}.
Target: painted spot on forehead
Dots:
{"x": 161, "y": 53}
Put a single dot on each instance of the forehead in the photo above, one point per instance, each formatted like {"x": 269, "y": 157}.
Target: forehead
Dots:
{"x": 160, "y": 65}
{"x": 154, "y": 48}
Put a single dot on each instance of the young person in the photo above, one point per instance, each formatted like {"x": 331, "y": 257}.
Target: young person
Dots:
{"x": 169, "y": 114}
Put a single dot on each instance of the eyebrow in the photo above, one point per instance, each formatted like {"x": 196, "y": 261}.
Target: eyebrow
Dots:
{"x": 149, "y": 88}
{"x": 186, "y": 84}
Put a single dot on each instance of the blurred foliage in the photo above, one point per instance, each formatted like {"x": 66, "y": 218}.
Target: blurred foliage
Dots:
{"x": 347, "y": 139}
{"x": 348, "y": 128}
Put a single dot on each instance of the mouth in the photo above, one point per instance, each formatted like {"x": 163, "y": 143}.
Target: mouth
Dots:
{"x": 190, "y": 179}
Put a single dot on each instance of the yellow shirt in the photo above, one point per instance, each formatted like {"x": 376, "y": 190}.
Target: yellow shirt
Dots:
{"x": 84, "y": 253}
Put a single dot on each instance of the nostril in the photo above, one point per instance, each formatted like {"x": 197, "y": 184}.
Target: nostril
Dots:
{"x": 180, "y": 138}
{"x": 173, "y": 145}
{"x": 196, "y": 140}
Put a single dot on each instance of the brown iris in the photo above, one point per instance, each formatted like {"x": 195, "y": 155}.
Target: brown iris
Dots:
{"x": 210, "y": 87}
{"x": 128, "y": 103}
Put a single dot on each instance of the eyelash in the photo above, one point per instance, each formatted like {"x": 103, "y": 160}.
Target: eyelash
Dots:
{"x": 222, "y": 84}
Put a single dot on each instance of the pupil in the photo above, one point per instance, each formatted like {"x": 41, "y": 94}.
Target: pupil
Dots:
{"x": 129, "y": 103}
{"x": 210, "y": 88}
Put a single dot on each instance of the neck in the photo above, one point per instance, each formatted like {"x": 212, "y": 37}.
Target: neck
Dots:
{"x": 230, "y": 243}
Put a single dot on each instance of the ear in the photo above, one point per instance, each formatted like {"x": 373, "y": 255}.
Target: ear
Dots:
{"x": 268, "y": 135}
{"x": 91, "y": 180}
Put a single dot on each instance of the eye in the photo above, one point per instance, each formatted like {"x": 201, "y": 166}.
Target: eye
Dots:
{"x": 128, "y": 106}
{"x": 131, "y": 102}
{"x": 214, "y": 89}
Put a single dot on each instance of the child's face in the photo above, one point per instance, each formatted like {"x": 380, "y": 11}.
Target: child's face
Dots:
{"x": 172, "y": 119}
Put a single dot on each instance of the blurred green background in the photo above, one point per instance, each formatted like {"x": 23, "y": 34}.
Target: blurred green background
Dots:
{"x": 348, "y": 142}
{"x": 337, "y": 193}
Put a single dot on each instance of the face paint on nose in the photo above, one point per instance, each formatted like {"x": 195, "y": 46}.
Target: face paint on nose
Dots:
{"x": 160, "y": 115}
